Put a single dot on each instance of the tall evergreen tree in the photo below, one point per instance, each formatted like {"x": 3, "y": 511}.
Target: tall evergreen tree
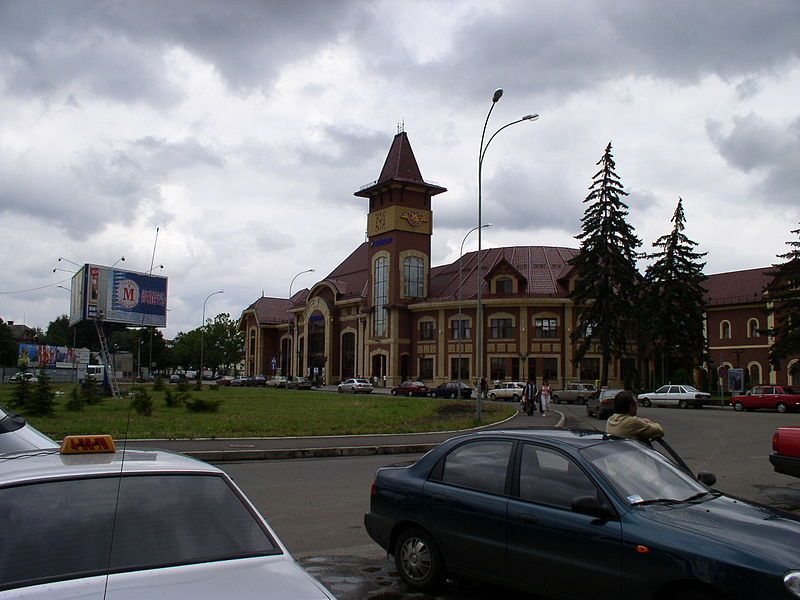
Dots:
{"x": 784, "y": 294}
{"x": 674, "y": 299}
{"x": 606, "y": 275}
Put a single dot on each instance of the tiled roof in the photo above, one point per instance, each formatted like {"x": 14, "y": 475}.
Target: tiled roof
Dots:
{"x": 543, "y": 266}
{"x": 270, "y": 310}
{"x": 350, "y": 277}
{"x": 400, "y": 162}
{"x": 737, "y": 287}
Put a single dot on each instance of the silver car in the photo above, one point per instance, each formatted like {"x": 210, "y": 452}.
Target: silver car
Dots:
{"x": 682, "y": 396}
{"x": 17, "y": 435}
{"x": 155, "y": 525}
{"x": 355, "y": 385}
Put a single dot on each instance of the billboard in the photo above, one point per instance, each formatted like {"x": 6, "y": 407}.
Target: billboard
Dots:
{"x": 38, "y": 356}
{"x": 118, "y": 296}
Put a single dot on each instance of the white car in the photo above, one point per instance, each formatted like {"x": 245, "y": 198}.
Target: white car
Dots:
{"x": 508, "y": 390}
{"x": 355, "y": 385}
{"x": 682, "y": 396}
{"x": 17, "y": 435}
{"x": 18, "y": 377}
{"x": 157, "y": 525}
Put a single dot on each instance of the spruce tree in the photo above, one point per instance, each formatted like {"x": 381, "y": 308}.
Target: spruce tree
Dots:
{"x": 675, "y": 300}
{"x": 606, "y": 275}
{"x": 784, "y": 294}
{"x": 42, "y": 400}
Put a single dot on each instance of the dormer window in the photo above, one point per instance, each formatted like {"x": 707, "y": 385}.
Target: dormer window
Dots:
{"x": 505, "y": 285}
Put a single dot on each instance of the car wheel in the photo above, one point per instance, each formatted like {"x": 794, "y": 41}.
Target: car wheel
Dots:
{"x": 515, "y": 398}
{"x": 452, "y": 396}
{"x": 394, "y": 393}
{"x": 555, "y": 399}
{"x": 645, "y": 402}
{"x": 410, "y": 394}
{"x": 781, "y": 407}
{"x": 492, "y": 397}
{"x": 683, "y": 404}
{"x": 417, "y": 559}
{"x": 341, "y": 390}
{"x": 738, "y": 406}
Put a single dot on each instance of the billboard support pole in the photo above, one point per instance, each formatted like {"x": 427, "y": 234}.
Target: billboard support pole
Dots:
{"x": 104, "y": 355}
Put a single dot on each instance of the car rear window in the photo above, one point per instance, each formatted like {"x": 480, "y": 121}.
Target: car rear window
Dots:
{"x": 479, "y": 466}
{"x": 62, "y": 529}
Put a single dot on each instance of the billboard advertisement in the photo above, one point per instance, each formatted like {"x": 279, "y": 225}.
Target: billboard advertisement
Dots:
{"x": 47, "y": 357}
{"x": 118, "y": 296}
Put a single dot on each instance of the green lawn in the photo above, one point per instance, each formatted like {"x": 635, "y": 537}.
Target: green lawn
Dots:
{"x": 258, "y": 412}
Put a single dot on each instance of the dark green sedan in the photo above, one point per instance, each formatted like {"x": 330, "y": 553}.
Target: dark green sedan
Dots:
{"x": 579, "y": 514}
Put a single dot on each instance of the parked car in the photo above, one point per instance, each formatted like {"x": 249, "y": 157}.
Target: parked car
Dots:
{"x": 17, "y": 434}
{"x": 241, "y": 381}
{"x": 410, "y": 388}
{"x": 225, "y": 381}
{"x": 177, "y": 378}
{"x": 258, "y": 381}
{"x": 163, "y": 526}
{"x": 450, "y": 389}
{"x": 299, "y": 383}
{"x": 574, "y": 393}
{"x": 777, "y": 397}
{"x": 277, "y": 381}
{"x": 785, "y": 457}
{"x": 682, "y": 396}
{"x": 577, "y": 514}
{"x": 507, "y": 390}
{"x": 19, "y": 377}
{"x": 601, "y": 405}
{"x": 355, "y": 385}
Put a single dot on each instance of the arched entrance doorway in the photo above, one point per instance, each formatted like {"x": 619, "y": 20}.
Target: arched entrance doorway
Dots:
{"x": 286, "y": 352}
{"x": 379, "y": 368}
{"x": 348, "y": 355}
{"x": 316, "y": 345}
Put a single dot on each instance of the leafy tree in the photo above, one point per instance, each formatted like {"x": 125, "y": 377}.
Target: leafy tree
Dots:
{"x": 674, "y": 300}
{"x": 59, "y": 333}
{"x": 186, "y": 348}
{"x": 784, "y": 294}
{"x": 606, "y": 275}
{"x": 223, "y": 345}
{"x": 9, "y": 349}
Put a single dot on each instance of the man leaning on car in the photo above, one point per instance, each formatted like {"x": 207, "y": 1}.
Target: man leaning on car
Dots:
{"x": 625, "y": 423}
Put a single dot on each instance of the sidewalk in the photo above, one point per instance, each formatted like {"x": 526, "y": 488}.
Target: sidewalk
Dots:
{"x": 275, "y": 448}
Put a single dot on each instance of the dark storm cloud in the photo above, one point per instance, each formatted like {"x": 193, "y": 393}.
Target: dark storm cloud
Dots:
{"x": 539, "y": 47}
{"x": 770, "y": 150}
{"x": 104, "y": 185}
{"x": 116, "y": 49}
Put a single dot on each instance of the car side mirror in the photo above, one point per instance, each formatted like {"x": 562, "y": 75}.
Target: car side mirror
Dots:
{"x": 588, "y": 505}
{"x": 706, "y": 478}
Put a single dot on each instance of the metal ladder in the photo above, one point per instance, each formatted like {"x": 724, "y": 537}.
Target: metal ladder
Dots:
{"x": 106, "y": 358}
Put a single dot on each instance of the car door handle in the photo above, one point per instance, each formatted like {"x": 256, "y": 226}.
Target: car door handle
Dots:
{"x": 530, "y": 519}
{"x": 439, "y": 498}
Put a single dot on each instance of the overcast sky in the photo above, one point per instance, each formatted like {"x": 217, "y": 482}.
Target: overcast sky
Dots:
{"x": 242, "y": 129}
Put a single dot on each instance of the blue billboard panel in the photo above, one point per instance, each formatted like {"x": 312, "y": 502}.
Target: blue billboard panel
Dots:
{"x": 137, "y": 299}
{"x": 118, "y": 296}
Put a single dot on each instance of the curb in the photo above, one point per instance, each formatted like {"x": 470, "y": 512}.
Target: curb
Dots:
{"x": 283, "y": 454}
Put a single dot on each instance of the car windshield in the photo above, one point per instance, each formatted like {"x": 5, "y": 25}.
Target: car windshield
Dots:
{"x": 361, "y": 381}
{"x": 689, "y": 388}
{"x": 640, "y": 474}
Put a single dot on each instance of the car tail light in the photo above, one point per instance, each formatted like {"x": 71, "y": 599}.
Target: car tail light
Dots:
{"x": 373, "y": 489}
{"x": 775, "y": 437}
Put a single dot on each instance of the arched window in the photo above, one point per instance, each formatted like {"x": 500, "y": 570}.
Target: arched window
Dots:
{"x": 413, "y": 277}
{"x": 793, "y": 369}
{"x": 752, "y": 328}
{"x": 725, "y": 330}
{"x": 755, "y": 373}
{"x": 381, "y": 295}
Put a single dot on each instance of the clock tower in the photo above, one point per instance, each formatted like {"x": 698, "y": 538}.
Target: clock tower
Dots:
{"x": 399, "y": 229}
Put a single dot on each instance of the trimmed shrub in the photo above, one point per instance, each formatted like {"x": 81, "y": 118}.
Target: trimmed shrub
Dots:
{"x": 172, "y": 400}
{"x": 75, "y": 402}
{"x": 204, "y": 405}
{"x": 142, "y": 403}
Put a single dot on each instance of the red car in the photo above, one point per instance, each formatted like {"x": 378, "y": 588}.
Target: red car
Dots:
{"x": 411, "y": 388}
{"x": 777, "y": 397}
{"x": 786, "y": 451}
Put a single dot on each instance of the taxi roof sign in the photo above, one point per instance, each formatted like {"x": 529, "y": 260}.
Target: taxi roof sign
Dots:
{"x": 84, "y": 444}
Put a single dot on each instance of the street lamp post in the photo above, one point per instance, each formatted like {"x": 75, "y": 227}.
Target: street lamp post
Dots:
{"x": 460, "y": 282}
{"x": 202, "y": 333}
{"x": 498, "y": 93}
{"x": 293, "y": 332}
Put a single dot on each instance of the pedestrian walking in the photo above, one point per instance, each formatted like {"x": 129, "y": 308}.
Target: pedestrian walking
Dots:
{"x": 529, "y": 396}
{"x": 544, "y": 400}
{"x": 484, "y": 388}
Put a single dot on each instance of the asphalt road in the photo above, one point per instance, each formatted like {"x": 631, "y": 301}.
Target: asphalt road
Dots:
{"x": 316, "y": 505}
